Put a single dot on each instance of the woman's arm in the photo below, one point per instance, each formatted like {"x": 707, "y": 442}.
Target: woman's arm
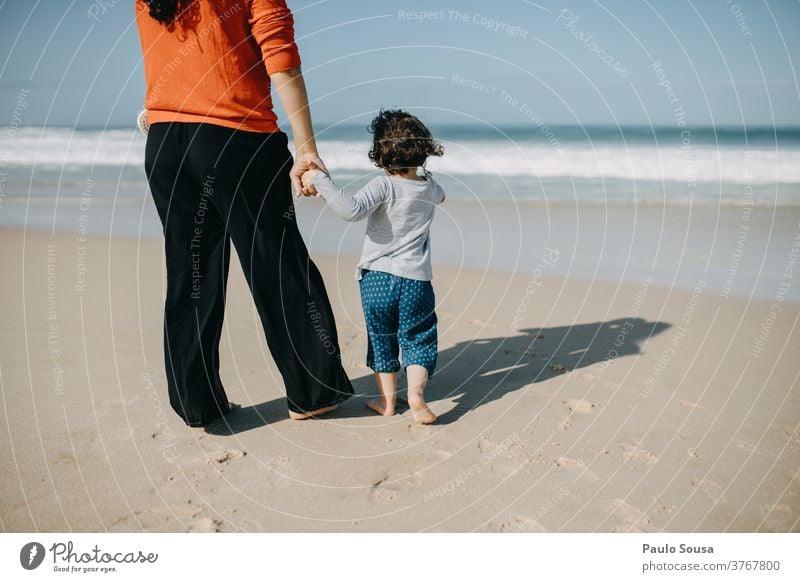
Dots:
{"x": 272, "y": 27}
{"x": 291, "y": 90}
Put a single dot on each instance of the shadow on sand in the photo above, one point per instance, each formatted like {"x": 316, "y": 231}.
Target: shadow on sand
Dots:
{"x": 487, "y": 369}
{"x": 490, "y": 368}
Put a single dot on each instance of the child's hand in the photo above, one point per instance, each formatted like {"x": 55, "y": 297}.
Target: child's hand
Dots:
{"x": 307, "y": 179}
{"x": 302, "y": 163}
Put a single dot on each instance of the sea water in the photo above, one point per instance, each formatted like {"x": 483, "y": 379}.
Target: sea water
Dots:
{"x": 618, "y": 202}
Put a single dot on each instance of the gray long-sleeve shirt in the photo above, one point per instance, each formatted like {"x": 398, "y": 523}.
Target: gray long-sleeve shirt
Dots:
{"x": 400, "y": 212}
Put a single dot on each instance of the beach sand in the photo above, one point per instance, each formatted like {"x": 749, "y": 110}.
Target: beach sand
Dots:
{"x": 564, "y": 405}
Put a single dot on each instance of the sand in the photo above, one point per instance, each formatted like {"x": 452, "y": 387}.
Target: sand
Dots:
{"x": 564, "y": 405}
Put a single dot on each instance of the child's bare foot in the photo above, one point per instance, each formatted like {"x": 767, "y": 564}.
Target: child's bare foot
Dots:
{"x": 304, "y": 415}
{"x": 386, "y": 383}
{"x": 422, "y": 414}
{"x": 380, "y": 406}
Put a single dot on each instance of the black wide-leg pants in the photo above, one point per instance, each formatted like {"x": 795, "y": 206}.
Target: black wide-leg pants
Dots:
{"x": 212, "y": 186}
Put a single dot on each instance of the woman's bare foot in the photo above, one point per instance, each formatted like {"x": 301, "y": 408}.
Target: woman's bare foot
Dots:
{"x": 380, "y": 406}
{"x": 304, "y": 415}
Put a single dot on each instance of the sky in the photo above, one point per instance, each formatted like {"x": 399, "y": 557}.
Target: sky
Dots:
{"x": 77, "y": 63}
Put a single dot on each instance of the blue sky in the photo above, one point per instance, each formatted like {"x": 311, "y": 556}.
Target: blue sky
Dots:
{"x": 467, "y": 61}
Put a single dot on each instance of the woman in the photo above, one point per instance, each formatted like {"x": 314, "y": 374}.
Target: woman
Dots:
{"x": 220, "y": 171}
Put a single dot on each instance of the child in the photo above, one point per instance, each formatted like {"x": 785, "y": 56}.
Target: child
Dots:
{"x": 394, "y": 271}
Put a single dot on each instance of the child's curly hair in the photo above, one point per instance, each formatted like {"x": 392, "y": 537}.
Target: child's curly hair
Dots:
{"x": 400, "y": 141}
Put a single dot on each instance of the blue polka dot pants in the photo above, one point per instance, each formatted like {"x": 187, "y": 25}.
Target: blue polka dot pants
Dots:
{"x": 399, "y": 314}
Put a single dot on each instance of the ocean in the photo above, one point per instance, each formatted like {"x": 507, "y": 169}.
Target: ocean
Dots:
{"x": 621, "y": 203}
{"x": 578, "y": 164}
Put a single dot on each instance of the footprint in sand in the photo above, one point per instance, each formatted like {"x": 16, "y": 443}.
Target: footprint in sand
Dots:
{"x": 226, "y": 457}
{"x": 280, "y": 471}
{"x": 600, "y": 382}
{"x": 520, "y": 524}
{"x": 577, "y": 405}
{"x": 574, "y": 405}
{"x": 382, "y": 492}
{"x": 777, "y": 518}
{"x": 441, "y": 454}
{"x": 170, "y": 518}
{"x": 712, "y": 489}
{"x": 205, "y": 525}
{"x": 390, "y": 485}
{"x": 505, "y": 457}
{"x": 634, "y": 452}
{"x": 65, "y": 457}
{"x": 631, "y": 518}
{"x": 406, "y": 472}
{"x": 576, "y": 465}
{"x": 660, "y": 508}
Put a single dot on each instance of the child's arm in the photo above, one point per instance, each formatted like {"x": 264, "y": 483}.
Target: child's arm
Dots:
{"x": 350, "y": 207}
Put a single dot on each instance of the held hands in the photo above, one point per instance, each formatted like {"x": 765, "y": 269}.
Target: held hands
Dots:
{"x": 302, "y": 172}
{"x": 307, "y": 179}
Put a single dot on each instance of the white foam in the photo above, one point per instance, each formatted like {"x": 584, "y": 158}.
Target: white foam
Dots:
{"x": 67, "y": 148}
{"x": 673, "y": 164}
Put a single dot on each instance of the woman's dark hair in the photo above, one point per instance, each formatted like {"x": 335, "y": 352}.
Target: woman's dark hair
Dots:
{"x": 165, "y": 11}
{"x": 400, "y": 141}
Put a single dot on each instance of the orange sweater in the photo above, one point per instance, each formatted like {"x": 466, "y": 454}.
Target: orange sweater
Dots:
{"x": 213, "y": 65}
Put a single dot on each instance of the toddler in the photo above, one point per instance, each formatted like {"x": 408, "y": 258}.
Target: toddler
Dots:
{"x": 394, "y": 271}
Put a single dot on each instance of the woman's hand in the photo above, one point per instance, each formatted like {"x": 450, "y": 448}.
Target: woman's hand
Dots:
{"x": 303, "y": 163}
